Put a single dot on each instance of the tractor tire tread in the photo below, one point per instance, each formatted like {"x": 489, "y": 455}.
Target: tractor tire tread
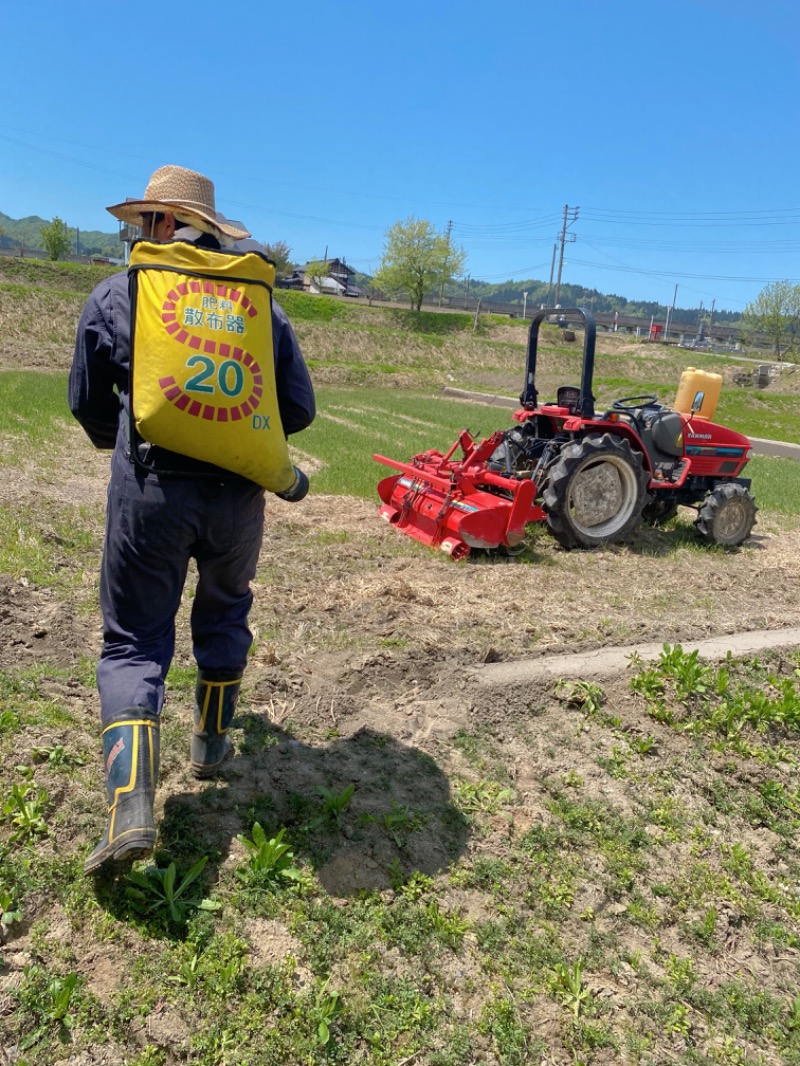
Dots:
{"x": 716, "y": 502}
{"x": 572, "y": 459}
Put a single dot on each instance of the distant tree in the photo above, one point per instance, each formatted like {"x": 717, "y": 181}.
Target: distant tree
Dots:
{"x": 417, "y": 259}
{"x": 369, "y": 288}
{"x": 279, "y": 252}
{"x": 317, "y": 270}
{"x": 56, "y": 238}
{"x": 775, "y": 314}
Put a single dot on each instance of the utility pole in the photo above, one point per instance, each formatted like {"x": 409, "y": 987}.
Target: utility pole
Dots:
{"x": 568, "y": 221}
{"x": 552, "y": 271}
{"x": 449, "y": 231}
{"x": 670, "y": 315}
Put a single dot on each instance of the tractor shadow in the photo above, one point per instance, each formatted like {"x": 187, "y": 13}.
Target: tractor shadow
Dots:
{"x": 653, "y": 541}
{"x": 663, "y": 541}
{"x": 364, "y": 811}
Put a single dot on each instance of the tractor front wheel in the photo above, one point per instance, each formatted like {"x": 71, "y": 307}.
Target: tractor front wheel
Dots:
{"x": 727, "y": 516}
{"x": 595, "y": 492}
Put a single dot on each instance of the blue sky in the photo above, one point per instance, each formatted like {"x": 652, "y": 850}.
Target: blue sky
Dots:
{"x": 671, "y": 126}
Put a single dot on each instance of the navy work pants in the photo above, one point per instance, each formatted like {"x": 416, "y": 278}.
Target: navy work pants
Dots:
{"x": 154, "y": 526}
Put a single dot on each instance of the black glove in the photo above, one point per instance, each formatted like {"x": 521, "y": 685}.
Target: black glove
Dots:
{"x": 297, "y": 490}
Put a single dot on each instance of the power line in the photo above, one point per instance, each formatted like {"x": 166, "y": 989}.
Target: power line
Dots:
{"x": 776, "y": 214}
{"x": 717, "y": 247}
{"x": 510, "y": 275}
{"x": 239, "y": 174}
{"x": 502, "y": 228}
{"x": 680, "y": 274}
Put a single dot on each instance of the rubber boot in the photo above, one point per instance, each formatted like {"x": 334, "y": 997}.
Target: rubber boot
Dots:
{"x": 130, "y": 757}
{"x": 216, "y": 695}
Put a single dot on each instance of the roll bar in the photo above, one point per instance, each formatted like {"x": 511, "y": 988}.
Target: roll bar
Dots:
{"x": 529, "y": 396}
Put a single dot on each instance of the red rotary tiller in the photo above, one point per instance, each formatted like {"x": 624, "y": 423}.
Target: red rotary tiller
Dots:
{"x": 591, "y": 478}
{"x": 459, "y": 504}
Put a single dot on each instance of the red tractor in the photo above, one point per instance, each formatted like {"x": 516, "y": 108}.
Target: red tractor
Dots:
{"x": 592, "y": 478}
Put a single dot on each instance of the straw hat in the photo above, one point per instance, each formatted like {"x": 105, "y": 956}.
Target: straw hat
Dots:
{"x": 187, "y": 194}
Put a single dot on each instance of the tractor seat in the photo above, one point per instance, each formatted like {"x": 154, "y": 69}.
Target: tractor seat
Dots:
{"x": 664, "y": 428}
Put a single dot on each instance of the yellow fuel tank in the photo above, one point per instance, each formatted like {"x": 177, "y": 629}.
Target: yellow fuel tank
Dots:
{"x": 700, "y": 384}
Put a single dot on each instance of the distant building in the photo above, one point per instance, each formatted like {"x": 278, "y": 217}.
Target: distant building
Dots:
{"x": 337, "y": 281}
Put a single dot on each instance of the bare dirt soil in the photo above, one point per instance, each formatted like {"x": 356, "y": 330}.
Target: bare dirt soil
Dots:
{"x": 357, "y": 627}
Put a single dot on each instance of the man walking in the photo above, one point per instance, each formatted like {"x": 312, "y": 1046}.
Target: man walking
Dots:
{"x": 167, "y": 382}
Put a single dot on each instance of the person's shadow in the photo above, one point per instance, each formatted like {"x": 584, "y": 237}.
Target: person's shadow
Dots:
{"x": 365, "y": 811}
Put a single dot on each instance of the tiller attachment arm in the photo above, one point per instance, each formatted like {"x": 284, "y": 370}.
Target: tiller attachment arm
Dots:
{"x": 457, "y": 505}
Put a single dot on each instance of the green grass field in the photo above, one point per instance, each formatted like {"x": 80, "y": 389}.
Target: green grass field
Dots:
{"x": 354, "y": 424}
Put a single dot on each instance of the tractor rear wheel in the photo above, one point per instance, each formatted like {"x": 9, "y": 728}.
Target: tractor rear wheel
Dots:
{"x": 727, "y": 515}
{"x": 595, "y": 492}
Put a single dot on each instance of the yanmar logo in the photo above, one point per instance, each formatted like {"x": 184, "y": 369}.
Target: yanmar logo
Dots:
{"x": 699, "y": 436}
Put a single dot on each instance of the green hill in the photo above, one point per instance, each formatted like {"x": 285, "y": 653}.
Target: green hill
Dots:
{"x": 26, "y": 234}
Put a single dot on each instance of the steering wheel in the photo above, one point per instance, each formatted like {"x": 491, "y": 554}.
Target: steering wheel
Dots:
{"x": 633, "y": 403}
